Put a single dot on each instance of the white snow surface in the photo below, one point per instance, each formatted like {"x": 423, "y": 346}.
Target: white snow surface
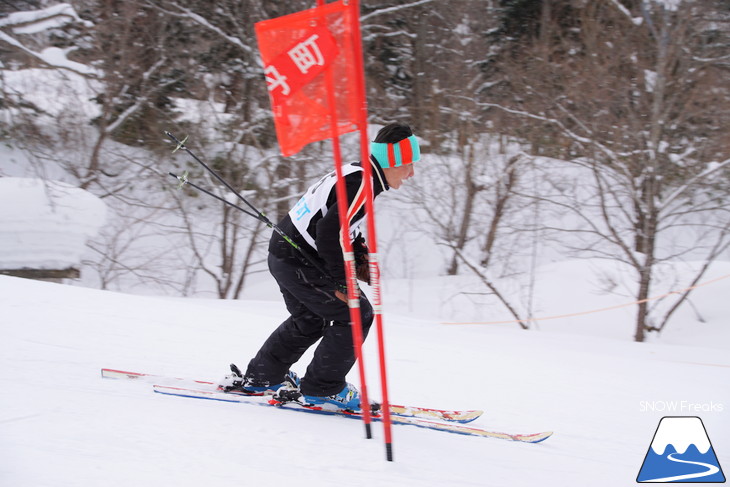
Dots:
{"x": 56, "y": 57}
{"x": 45, "y": 224}
{"x": 62, "y": 425}
{"x": 34, "y": 21}
{"x": 62, "y": 97}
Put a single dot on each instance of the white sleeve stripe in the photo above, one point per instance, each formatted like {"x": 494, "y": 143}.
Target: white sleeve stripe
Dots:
{"x": 357, "y": 203}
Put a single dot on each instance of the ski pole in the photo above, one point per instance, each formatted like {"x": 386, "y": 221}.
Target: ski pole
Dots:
{"x": 256, "y": 213}
{"x": 181, "y": 145}
{"x": 184, "y": 180}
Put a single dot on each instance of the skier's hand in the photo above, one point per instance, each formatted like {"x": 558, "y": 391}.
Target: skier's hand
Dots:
{"x": 341, "y": 293}
{"x": 360, "y": 247}
{"x": 363, "y": 271}
{"x": 362, "y": 257}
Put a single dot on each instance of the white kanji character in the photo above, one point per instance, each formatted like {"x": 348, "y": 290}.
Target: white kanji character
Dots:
{"x": 274, "y": 80}
{"x": 307, "y": 54}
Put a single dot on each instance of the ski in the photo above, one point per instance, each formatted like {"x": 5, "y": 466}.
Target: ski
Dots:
{"x": 438, "y": 414}
{"x": 149, "y": 378}
{"x": 396, "y": 410}
{"x": 448, "y": 427}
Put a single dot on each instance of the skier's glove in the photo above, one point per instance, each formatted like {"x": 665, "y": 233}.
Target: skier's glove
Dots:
{"x": 360, "y": 248}
{"x": 363, "y": 271}
{"x": 362, "y": 264}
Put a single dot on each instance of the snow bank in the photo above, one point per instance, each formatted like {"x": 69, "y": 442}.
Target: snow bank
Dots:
{"x": 62, "y": 96}
{"x": 45, "y": 225}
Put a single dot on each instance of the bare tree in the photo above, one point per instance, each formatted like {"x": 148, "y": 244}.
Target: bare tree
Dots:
{"x": 155, "y": 63}
{"x": 471, "y": 199}
{"x": 635, "y": 98}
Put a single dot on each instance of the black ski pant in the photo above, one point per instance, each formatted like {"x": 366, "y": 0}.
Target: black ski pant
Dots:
{"x": 315, "y": 313}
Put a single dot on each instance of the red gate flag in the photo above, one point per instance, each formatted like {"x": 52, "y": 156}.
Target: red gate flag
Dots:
{"x": 296, "y": 51}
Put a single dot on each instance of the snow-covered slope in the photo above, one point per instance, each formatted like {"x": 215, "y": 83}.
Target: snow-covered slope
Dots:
{"x": 62, "y": 425}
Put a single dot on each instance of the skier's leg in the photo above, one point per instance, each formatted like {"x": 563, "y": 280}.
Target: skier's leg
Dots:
{"x": 335, "y": 355}
{"x": 313, "y": 306}
{"x": 294, "y": 336}
{"x": 286, "y": 344}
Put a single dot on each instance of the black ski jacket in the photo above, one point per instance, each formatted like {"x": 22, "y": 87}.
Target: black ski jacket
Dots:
{"x": 314, "y": 222}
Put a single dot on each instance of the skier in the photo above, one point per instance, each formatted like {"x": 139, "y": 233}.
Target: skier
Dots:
{"x": 318, "y": 307}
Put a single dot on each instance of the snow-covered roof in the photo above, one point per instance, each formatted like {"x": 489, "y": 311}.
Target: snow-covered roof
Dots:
{"x": 45, "y": 224}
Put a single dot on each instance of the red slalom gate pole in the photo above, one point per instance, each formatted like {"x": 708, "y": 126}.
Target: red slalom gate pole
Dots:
{"x": 370, "y": 210}
{"x": 353, "y": 291}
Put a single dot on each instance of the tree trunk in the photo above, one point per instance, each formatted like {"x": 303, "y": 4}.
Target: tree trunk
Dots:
{"x": 643, "y": 311}
{"x": 466, "y": 216}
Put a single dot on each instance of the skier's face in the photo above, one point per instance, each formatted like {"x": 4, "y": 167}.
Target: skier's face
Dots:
{"x": 396, "y": 175}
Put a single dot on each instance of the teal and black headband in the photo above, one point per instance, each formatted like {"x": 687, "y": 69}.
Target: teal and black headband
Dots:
{"x": 393, "y": 155}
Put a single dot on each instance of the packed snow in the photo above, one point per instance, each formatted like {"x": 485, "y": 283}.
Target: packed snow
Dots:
{"x": 601, "y": 395}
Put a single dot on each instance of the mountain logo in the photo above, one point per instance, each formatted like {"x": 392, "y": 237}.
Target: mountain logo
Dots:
{"x": 681, "y": 452}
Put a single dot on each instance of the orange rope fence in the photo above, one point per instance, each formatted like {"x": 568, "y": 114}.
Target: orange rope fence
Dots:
{"x": 570, "y": 315}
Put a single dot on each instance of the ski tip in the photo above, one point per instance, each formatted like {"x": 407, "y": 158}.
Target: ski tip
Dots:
{"x": 467, "y": 416}
{"x": 119, "y": 374}
{"x": 536, "y": 438}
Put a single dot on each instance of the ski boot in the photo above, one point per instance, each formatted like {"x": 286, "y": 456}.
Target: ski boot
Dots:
{"x": 347, "y": 399}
